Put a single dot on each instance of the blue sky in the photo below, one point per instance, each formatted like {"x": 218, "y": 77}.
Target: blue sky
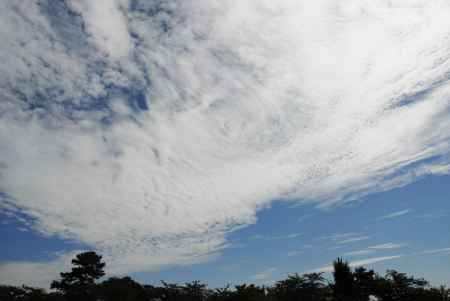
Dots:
{"x": 411, "y": 222}
{"x": 186, "y": 138}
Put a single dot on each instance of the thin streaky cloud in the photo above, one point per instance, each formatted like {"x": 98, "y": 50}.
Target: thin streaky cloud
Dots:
{"x": 358, "y": 263}
{"x": 373, "y": 260}
{"x": 387, "y": 246}
{"x": 394, "y": 214}
{"x": 287, "y": 236}
{"x": 276, "y": 237}
{"x": 336, "y": 247}
{"x": 344, "y": 238}
{"x": 264, "y": 275}
{"x": 353, "y": 239}
{"x": 367, "y": 261}
{"x": 375, "y": 248}
{"x": 433, "y": 216}
{"x": 339, "y": 236}
{"x": 256, "y": 237}
{"x": 435, "y": 251}
{"x": 295, "y": 253}
{"x": 359, "y": 252}
{"x": 304, "y": 218}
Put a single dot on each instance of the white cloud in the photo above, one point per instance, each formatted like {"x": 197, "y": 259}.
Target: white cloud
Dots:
{"x": 276, "y": 237}
{"x": 256, "y": 237}
{"x": 435, "y": 251}
{"x": 358, "y": 263}
{"x": 287, "y": 236}
{"x": 372, "y": 249}
{"x": 433, "y": 216}
{"x": 358, "y": 252}
{"x": 387, "y": 246}
{"x": 368, "y": 261}
{"x": 248, "y": 101}
{"x": 394, "y": 214}
{"x": 106, "y": 25}
{"x": 304, "y": 217}
{"x": 295, "y": 253}
{"x": 339, "y": 236}
{"x": 264, "y": 275}
{"x": 345, "y": 238}
{"x": 18, "y": 273}
{"x": 373, "y": 260}
{"x": 353, "y": 239}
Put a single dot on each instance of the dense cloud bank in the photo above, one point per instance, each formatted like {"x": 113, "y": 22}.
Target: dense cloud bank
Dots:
{"x": 149, "y": 129}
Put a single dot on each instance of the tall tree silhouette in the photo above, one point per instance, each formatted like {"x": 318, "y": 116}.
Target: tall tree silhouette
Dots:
{"x": 79, "y": 284}
{"x": 344, "y": 284}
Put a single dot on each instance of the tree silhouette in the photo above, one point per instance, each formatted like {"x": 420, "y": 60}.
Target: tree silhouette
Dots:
{"x": 308, "y": 287}
{"x": 249, "y": 293}
{"x": 344, "y": 284}
{"x": 120, "y": 289}
{"x": 349, "y": 285}
{"x": 195, "y": 291}
{"x": 221, "y": 294}
{"x": 398, "y": 286}
{"x": 364, "y": 282}
{"x": 79, "y": 284}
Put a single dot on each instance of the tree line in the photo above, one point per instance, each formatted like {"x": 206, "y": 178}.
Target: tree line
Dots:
{"x": 82, "y": 284}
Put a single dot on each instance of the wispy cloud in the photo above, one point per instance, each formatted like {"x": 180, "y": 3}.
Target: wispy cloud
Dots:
{"x": 295, "y": 253}
{"x": 358, "y": 252}
{"x": 20, "y": 272}
{"x": 276, "y": 237}
{"x": 345, "y": 238}
{"x": 238, "y": 245}
{"x": 394, "y": 214}
{"x": 304, "y": 217}
{"x": 353, "y": 239}
{"x": 337, "y": 236}
{"x": 287, "y": 236}
{"x": 387, "y": 246}
{"x": 231, "y": 267}
{"x": 256, "y": 237}
{"x": 375, "y": 248}
{"x": 358, "y": 263}
{"x": 434, "y": 251}
{"x": 264, "y": 275}
{"x": 372, "y": 260}
{"x": 337, "y": 247}
{"x": 433, "y": 216}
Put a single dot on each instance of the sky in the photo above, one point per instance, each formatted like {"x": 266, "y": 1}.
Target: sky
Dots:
{"x": 227, "y": 141}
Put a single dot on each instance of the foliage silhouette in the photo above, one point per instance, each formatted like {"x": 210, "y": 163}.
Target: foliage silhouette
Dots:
{"x": 308, "y": 287}
{"x": 79, "y": 284}
{"x": 344, "y": 287}
{"x": 120, "y": 289}
{"x": 359, "y": 284}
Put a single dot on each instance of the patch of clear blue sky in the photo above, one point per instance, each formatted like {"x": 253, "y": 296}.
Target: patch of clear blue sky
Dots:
{"x": 259, "y": 247}
{"x": 19, "y": 243}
